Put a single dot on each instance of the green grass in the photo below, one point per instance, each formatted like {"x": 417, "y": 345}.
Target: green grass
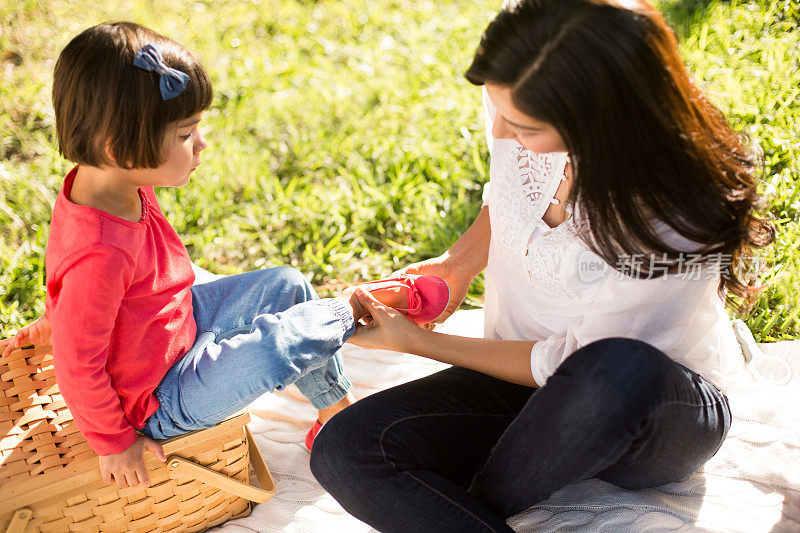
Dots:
{"x": 343, "y": 138}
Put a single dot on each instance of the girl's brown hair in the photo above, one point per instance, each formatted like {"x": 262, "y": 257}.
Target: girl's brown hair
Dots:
{"x": 645, "y": 142}
{"x": 109, "y": 111}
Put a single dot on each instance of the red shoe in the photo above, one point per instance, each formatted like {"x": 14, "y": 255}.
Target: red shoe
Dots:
{"x": 427, "y": 295}
{"x": 312, "y": 434}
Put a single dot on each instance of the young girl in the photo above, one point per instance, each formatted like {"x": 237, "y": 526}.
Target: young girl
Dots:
{"x": 141, "y": 354}
{"x": 619, "y": 205}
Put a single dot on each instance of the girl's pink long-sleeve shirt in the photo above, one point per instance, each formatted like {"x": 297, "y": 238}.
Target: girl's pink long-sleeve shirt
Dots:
{"x": 120, "y": 304}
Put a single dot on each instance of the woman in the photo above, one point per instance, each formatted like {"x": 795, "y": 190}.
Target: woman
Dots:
{"x": 618, "y": 216}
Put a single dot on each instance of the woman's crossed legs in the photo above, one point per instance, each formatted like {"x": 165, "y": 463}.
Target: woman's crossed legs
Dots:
{"x": 462, "y": 451}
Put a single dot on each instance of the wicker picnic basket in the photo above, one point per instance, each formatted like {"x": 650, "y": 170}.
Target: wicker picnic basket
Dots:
{"x": 50, "y": 480}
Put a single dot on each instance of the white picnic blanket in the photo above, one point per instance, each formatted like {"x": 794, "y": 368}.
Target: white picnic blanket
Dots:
{"x": 751, "y": 485}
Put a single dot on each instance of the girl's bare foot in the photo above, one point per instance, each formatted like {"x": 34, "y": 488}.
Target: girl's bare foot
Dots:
{"x": 328, "y": 412}
{"x": 396, "y": 297}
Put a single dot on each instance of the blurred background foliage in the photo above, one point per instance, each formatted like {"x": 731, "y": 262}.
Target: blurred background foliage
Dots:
{"x": 344, "y": 140}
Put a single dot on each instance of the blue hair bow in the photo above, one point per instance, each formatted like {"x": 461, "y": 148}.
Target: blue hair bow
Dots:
{"x": 171, "y": 81}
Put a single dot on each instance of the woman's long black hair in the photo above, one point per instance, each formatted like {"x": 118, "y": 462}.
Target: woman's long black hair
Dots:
{"x": 645, "y": 142}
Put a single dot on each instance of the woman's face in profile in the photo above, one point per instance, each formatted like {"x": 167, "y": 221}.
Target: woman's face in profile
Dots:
{"x": 511, "y": 123}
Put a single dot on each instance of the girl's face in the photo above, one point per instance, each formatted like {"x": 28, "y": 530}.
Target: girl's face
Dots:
{"x": 511, "y": 123}
{"x": 181, "y": 147}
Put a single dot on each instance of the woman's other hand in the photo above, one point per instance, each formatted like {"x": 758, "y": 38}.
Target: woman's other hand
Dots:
{"x": 446, "y": 268}
{"x": 465, "y": 259}
{"x": 37, "y": 333}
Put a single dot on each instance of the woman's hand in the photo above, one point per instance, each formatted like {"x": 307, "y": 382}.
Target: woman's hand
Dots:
{"x": 391, "y": 330}
{"x": 465, "y": 259}
{"x": 386, "y": 329}
{"x": 446, "y": 268}
{"x": 37, "y": 333}
{"x": 349, "y": 298}
{"x": 128, "y": 468}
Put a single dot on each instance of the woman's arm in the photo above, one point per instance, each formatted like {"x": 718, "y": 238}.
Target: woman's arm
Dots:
{"x": 390, "y": 330}
{"x": 506, "y": 360}
{"x": 471, "y": 251}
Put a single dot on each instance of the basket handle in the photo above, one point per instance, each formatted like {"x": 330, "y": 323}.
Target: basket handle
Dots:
{"x": 260, "y": 465}
{"x": 19, "y": 520}
{"x": 179, "y": 465}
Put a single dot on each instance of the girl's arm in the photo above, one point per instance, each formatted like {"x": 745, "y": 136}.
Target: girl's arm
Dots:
{"x": 389, "y": 330}
{"x": 83, "y": 302}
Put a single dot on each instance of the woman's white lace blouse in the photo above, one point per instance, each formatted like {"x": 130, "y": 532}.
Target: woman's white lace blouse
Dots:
{"x": 544, "y": 284}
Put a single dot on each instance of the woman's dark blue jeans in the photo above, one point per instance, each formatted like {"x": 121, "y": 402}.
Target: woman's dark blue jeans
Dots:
{"x": 461, "y": 451}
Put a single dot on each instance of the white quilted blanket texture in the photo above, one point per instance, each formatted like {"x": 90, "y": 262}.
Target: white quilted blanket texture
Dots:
{"x": 752, "y": 484}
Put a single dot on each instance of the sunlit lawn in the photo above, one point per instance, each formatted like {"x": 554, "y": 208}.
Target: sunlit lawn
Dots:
{"x": 344, "y": 140}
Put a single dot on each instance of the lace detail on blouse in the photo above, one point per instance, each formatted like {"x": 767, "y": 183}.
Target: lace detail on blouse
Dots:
{"x": 533, "y": 173}
{"x": 547, "y": 253}
{"x": 520, "y": 194}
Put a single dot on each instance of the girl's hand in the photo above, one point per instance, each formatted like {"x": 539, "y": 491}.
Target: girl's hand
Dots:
{"x": 128, "y": 468}
{"x": 37, "y": 332}
{"x": 387, "y": 328}
{"x": 444, "y": 267}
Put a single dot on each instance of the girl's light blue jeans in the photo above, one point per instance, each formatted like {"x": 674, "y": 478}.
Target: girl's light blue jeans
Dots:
{"x": 256, "y": 332}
